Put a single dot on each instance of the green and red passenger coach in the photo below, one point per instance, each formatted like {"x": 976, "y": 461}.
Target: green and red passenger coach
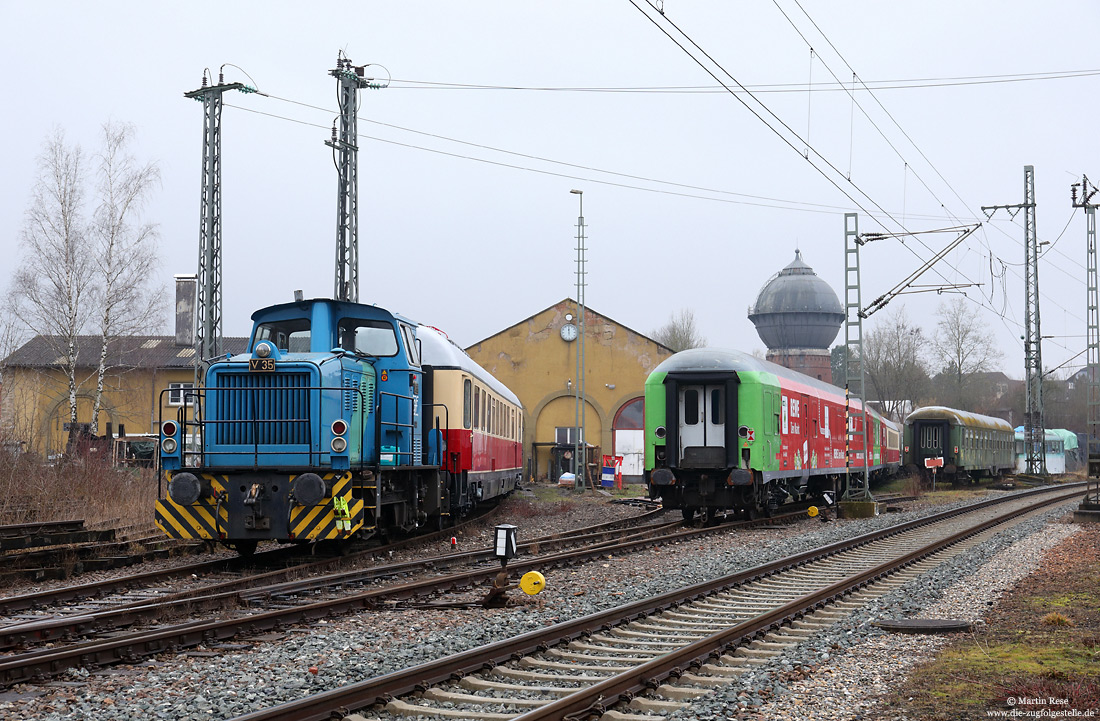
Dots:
{"x": 728, "y": 431}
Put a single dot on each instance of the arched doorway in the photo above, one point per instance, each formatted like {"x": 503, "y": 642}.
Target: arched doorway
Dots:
{"x": 628, "y": 437}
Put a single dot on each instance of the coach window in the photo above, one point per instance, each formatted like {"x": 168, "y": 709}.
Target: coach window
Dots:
{"x": 716, "y": 407}
{"x": 484, "y": 411}
{"x": 477, "y": 407}
{"x": 467, "y": 389}
{"x": 691, "y": 407}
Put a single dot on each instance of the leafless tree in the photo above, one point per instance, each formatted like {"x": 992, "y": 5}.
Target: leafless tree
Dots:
{"x": 124, "y": 246}
{"x": 894, "y": 353}
{"x": 680, "y": 333}
{"x": 963, "y": 346}
{"x": 81, "y": 273}
{"x": 53, "y": 284}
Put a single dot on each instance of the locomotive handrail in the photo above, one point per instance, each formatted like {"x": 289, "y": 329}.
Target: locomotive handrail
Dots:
{"x": 446, "y": 426}
{"x": 195, "y": 397}
{"x": 397, "y": 397}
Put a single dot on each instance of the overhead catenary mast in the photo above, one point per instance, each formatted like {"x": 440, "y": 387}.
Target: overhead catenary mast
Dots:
{"x": 1034, "y": 428}
{"x": 1090, "y": 505}
{"x": 208, "y": 330}
{"x": 344, "y": 142}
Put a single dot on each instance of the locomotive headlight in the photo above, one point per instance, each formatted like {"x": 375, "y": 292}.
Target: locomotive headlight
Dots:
{"x": 660, "y": 432}
{"x": 168, "y": 445}
{"x": 339, "y": 445}
{"x": 263, "y": 350}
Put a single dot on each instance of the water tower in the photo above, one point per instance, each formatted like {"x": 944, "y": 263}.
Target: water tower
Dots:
{"x": 798, "y": 316}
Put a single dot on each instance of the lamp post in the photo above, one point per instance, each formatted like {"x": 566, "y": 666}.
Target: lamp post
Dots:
{"x": 579, "y": 449}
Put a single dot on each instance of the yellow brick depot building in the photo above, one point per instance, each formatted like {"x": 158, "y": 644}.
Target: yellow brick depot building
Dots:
{"x": 537, "y": 359}
{"x": 146, "y": 379}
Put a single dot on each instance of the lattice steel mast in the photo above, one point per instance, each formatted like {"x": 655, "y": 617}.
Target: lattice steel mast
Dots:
{"x": 856, "y": 489}
{"x": 580, "y": 448}
{"x": 208, "y": 327}
{"x": 1091, "y": 502}
{"x": 344, "y": 142}
{"x": 1034, "y": 429}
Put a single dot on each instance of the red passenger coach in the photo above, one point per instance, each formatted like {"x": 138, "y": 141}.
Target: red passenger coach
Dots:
{"x": 480, "y": 419}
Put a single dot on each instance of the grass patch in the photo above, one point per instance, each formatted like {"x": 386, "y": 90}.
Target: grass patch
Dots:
{"x": 1042, "y": 641}
{"x": 33, "y": 490}
{"x": 1056, "y": 619}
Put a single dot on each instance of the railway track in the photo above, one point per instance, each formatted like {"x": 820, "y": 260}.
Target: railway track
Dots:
{"x": 283, "y": 602}
{"x": 641, "y": 661}
{"x": 228, "y": 588}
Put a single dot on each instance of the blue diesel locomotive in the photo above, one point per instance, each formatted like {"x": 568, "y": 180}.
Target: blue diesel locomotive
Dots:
{"x": 334, "y": 424}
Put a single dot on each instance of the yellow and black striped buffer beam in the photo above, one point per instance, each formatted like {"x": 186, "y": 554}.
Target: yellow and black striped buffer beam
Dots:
{"x": 196, "y": 521}
{"x": 337, "y": 516}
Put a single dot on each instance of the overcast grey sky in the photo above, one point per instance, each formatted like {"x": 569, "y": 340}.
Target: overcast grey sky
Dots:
{"x": 470, "y": 239}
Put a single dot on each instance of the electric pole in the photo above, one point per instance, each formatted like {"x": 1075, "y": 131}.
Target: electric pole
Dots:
{"x": 344, "y": 142}
{"x": 1034, "y": 428}
{"x": 1090, "y": 505}
{"x": 580, "y": 448}
{"x": 208, "y": 328}
{"x": 856, "y": 488}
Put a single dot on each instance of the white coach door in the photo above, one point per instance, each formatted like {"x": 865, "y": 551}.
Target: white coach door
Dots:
{"x": 702, "y": 416}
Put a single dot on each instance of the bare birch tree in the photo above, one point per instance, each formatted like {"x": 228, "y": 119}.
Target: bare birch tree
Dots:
{"x": 680, "y": 333}
{"x": 124, "y": 246}
{"x": 78, "y": 273}
{"x": 53, "y": 284}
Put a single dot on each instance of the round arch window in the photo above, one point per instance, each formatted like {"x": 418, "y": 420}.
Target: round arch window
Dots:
{"x": 631, "y": 417}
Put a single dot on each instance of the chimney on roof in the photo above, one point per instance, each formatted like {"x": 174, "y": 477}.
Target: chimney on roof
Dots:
{"x": 186, "y": 296}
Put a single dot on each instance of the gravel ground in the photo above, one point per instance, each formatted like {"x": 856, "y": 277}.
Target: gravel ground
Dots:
{"x": 838, "y": 675}
{"x": 349, "y": 649}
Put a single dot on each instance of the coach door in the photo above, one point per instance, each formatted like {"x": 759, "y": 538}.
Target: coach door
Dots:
{"x": 703, "y": 426}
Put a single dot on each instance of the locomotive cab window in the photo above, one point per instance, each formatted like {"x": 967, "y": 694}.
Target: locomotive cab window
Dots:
{"x": 291, "y": 336}
{"x": 367, "y": 337}
{"x": 409, "y": 337}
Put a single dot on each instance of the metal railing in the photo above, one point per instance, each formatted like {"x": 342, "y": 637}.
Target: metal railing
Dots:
{"x": 267, "y": 421}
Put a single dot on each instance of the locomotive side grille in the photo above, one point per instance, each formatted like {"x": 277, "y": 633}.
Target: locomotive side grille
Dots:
{"x": 261, "y": 408}
{"x": 351, "y": 398}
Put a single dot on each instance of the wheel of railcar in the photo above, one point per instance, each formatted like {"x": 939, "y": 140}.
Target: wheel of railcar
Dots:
{"x": 688, "y": 513}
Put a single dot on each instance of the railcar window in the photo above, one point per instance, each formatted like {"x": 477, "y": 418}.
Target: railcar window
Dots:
{"x": 484, "y": 411}
{"x": 291, "y": 336}
{"x": 367, "y": 337}
{"x": 477, "y": 407}
{"x": 716, "y": 407}
{"x": 691, "y": 407}
{"x": 467, "y": 390}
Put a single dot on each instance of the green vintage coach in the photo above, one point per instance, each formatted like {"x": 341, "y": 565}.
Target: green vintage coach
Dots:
{"x": 969, "y": 445}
